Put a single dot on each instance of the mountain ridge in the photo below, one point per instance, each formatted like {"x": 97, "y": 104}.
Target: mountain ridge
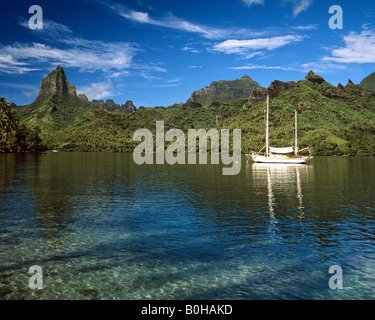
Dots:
{"x": 369, "y": 82}
{"x": 333, "y": 120}
{"x": 224, "y": 91}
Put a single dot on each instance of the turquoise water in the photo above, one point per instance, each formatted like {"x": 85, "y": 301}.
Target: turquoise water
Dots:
{"x": 102, "y": 227}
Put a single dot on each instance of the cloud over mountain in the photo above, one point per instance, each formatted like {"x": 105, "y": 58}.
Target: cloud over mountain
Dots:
{"x": 243, "y": 46}
{"x": 358, "y": 48}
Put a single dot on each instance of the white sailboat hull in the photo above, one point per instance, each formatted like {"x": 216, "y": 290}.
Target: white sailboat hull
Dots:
{"x": 279, "y": 155}
{"x": 286, "y": 160}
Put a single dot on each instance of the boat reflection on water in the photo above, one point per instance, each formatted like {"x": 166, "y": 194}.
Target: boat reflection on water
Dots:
{"x": 284, "y": 184}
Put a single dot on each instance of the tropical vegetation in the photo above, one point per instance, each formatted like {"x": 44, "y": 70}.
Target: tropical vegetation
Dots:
{"x": 331, "y": 121}
{"x": 15, "y": 136}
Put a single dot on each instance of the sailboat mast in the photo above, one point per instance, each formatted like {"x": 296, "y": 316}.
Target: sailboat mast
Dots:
{"x": 267, "y": 138}
{"x": 296, "y": 141}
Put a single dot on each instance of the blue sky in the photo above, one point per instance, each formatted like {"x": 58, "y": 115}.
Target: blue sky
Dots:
{"x": 158, "y": 52}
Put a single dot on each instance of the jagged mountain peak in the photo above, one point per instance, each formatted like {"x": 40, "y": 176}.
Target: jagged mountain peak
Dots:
{"x": 56, "y": 84}
{"x": 314, "y": 78}
{"x": 245, "y": 77}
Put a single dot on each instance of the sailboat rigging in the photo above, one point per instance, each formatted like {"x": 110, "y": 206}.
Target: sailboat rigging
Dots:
{"x": 288, "y": 155}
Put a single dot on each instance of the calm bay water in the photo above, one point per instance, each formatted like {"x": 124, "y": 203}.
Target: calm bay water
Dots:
{"x": 102, "y": 227}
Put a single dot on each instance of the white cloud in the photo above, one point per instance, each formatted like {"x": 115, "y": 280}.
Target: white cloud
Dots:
{"x": 300, "y": 6}
{"x": 359, "y": 48}
{"x": 140, "y": 17}
{"x": 173, "y": 80}
{"x": 305, "y": 28}
{"x": 254, "y": 66}
{"x": 176, "y": 82}
{"x": 98, "y": 90}
{"x": 149, "y": 77}
{"x": 253, "y": 54}
{"x": 321, "y": 66}
{"x": 23, "y": 86}
{"x": 168, "y": 85}
{"x": 172, "y": 22}
{"x": 164, "y": 83}
{"x": 97, "y": 56}
{"x": 189, "y": 49}
{"x": 243, "y": 46}
{"x": 51, "y": 30}
{"x": 119, "y": 74}
{"x": 61, "y": 46}
{"x": 248, "y": 3}
{"x": 9, "y": 65}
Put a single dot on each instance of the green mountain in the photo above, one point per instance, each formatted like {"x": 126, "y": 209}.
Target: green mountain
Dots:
{"x": 369, "y": 82}
{"x": 224, "y": 91}
{"x": 102, "y": 130}
{"x": 332, "y": 120}
{"x": 57, "y": 105}
{"x": 14, "y": 135}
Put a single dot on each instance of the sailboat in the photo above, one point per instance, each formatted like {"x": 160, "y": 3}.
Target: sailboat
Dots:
{"x": 288, "y": 155}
